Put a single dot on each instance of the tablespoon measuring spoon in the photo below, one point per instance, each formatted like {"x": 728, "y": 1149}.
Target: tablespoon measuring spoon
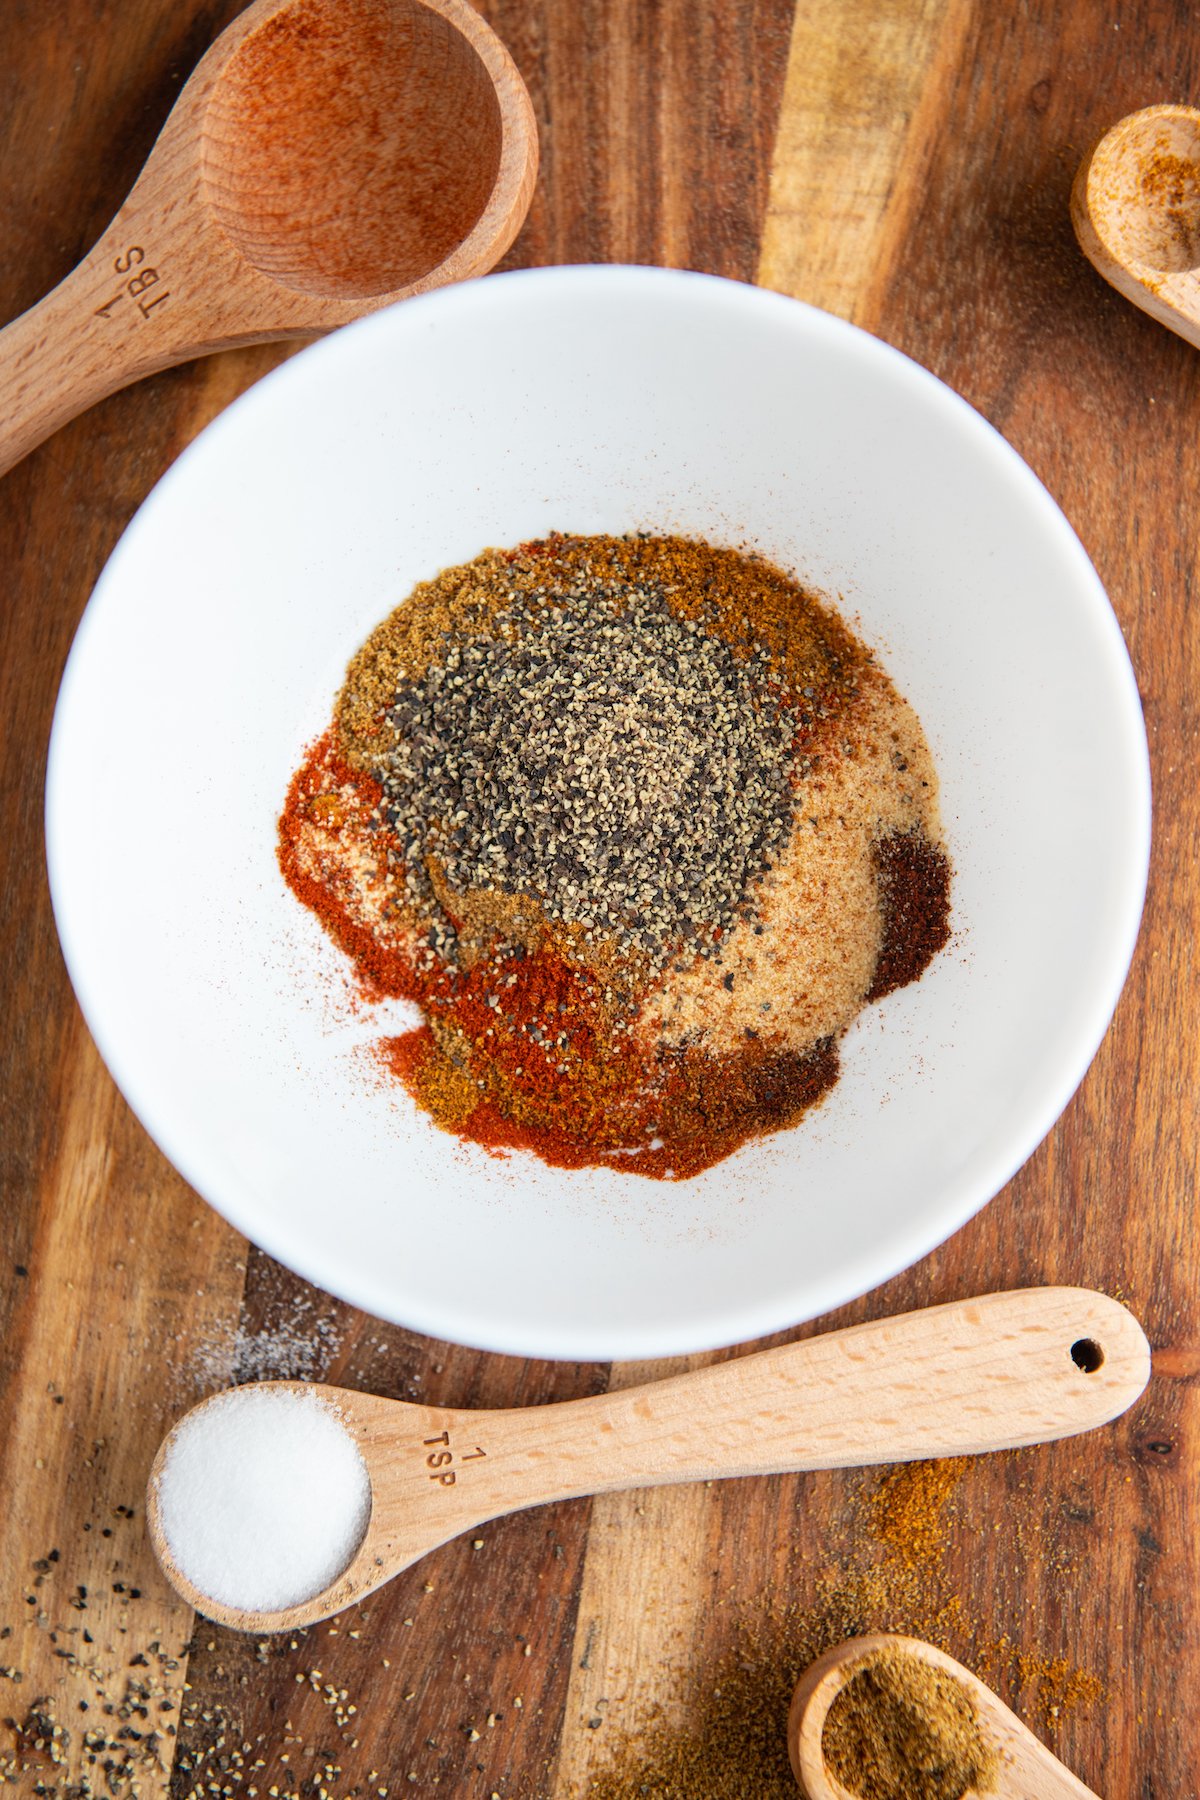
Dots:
{"x": 1020, "y": 1766}
{"x": 993, "y": 1373}
{"x": 325, "y": 157}
{"x": 1135, "y": 205}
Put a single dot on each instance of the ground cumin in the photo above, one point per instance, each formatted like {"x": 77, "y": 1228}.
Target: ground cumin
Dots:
{"x": 732, "y": 1742}
{"x": 1055, "y": 1687}
{"x": 908, "y": 1509}
{"x": 903, "y": 1730}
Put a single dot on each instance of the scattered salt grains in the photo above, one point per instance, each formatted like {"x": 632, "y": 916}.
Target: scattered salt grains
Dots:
{"x": 263, "y": 1498}
{"x": 300, "y": 1347}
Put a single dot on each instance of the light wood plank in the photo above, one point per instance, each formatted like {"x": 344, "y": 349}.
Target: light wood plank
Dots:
{"x": 646, "y": 1584}
{"x": 860, "y": 92}
{"x": 855, "y": 78}
{"x": 127, "y": 1265}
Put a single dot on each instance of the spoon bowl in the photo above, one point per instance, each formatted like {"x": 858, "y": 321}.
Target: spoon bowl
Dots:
{"x": 975, "y": 1375}
{"x": 326, "y": 157}
{"x": 1135, "y": 205}
{"x": 1024, "y": 1769}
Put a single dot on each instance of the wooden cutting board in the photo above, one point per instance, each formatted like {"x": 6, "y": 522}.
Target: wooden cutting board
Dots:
{"x": 905, "y": 163}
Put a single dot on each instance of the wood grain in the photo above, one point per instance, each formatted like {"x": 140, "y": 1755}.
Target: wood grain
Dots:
{"x": 658, "y": 121}
{"x": 982, "y": 168}
{"x": 863, "y": 94}
{"x": 94, "y": 1318}
{"x": 642, "y": 1606}
{"x": 111, "y": 1269}
{"x": 1059, "y": 363}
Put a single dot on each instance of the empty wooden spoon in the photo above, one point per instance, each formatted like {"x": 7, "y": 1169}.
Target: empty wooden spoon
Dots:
{"x": 326, "y": 156}
{"x": 1018, "y": 1766}
{"x": 1135, "y": 205}
{"x": 987, "y": 1374}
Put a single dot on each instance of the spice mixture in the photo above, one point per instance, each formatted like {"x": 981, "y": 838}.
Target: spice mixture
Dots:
{"x": 641, "y": 826}
{"x": 903, "y": 1730}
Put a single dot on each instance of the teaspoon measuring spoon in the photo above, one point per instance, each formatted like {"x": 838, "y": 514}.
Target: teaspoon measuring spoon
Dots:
{"x": 325, "y": 157}
{"x": 995, "y": 1373}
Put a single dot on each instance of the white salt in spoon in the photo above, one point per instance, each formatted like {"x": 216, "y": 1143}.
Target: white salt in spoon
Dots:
{"x": 988, "y": 1374}
{"x": 1023, "y": 1770}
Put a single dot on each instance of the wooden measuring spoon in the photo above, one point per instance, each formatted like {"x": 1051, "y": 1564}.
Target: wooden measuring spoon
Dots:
{"x": 1024, "y": 1769}
{"x": 1135, "y": 205}
{"x": 987, "y": 1374}
{"x": 326, "y": 157}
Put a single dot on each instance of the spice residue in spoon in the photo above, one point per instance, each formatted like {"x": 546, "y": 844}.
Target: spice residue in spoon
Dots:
{"x": 1170, "y": 191}
{"x": 903, "y": 1730}
{"x": 641, "y": 825}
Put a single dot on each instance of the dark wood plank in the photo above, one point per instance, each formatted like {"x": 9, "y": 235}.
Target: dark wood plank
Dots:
{"x": 619, "y": 90}
{"x": 108, "y": 1264}
{"x": 658, "y": 121}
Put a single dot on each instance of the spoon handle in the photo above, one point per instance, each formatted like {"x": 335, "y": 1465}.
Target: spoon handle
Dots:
{"x": 988, "y": 1374}
{"x": 134, "y": 305}
{"x": 100, "y": 328}
{"x": 1029, "y": 1771}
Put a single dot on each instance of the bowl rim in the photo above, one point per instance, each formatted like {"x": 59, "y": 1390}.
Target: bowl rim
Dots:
{"x": 436, "y": 1315}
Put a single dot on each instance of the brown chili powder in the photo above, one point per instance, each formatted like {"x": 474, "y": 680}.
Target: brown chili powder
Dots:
{"x": 903, "y": 1730}
{"x": 913, "y": 878}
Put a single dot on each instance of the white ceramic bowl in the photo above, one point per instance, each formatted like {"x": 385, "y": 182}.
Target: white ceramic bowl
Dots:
{"x": 589, "y": 400}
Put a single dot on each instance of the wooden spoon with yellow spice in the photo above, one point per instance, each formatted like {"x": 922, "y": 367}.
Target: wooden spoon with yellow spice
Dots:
{"x": 894, "y": 1719}
{"x": 326, "y": 156}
